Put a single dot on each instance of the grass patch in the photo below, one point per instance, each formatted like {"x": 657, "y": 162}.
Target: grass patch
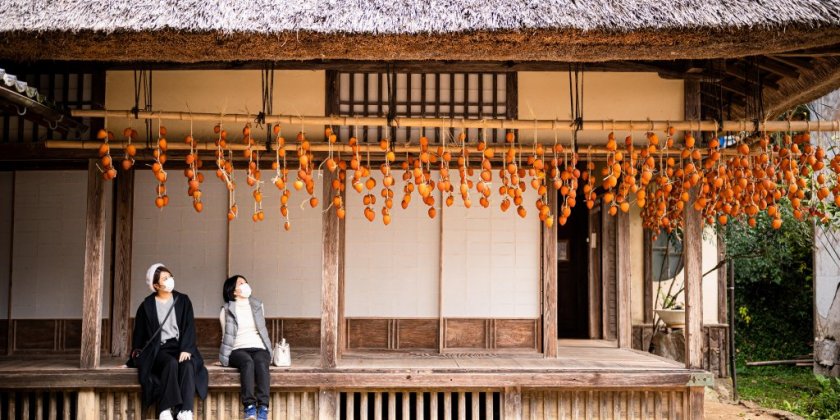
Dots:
{"x": 790, "y": 388}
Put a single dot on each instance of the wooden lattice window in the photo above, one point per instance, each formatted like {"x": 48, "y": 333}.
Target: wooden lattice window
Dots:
{"x": 72, "y": 89}
{"x": 422, "y": 95}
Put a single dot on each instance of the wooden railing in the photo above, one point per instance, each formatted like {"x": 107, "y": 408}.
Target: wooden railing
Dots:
{"x": 391, "y": 404}
{"x": 53, "y": 405}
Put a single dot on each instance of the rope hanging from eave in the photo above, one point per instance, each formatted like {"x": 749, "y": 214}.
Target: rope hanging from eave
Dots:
{"x": 267, "y": 107}
{"x": 576, "y": 100}
{"x": 391, "y": 74}
{"x": 143, "y": 86}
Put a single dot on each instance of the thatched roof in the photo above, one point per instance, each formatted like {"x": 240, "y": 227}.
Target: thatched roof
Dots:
{"x": 569, "y": 30}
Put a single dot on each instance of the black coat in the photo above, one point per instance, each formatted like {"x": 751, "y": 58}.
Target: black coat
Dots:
{"x": 145, "y": 324}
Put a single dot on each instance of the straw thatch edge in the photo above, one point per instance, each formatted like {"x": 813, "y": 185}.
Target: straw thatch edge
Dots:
{"x": 550, "y": 45}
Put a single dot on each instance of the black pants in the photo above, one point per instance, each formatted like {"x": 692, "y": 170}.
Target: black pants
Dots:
{"x": 176, "y": 379}
{"x": 253, "y": 370}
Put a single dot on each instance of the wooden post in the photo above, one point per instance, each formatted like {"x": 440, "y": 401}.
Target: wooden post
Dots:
{"x": 121, "y": 287}
{"x": 94, "y": 268}
{"x": 329, "y": 276}
{"x": 9, "y": 324}
{"x": 87, "y": 406}
{"x": 622, "y": 261}
{"x": 548, "y": 239}
{"x": 826, "y": 301}
{"x": 695, "y": 403}
{"x": 693, "y": 255}
{"x": 512, "y": 403}
{"x": 648, "y": 277}
{"x": 722, "y": 280}
{"x": 328, "y": 404}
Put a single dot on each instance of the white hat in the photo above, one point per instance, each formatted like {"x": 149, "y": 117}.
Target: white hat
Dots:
{"x": 150, "y": 275}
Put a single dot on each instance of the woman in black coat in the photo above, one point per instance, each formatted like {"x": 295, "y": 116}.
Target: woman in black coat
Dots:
{"x": 169, "y": 366}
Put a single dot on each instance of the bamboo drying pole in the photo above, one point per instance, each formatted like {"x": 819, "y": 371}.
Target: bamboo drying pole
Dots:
{"x": 558, "y": 125}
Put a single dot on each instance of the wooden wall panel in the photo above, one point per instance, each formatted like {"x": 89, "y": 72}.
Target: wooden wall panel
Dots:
{"x": 516, "y": 334}
{"x": 4, "y": 336}
{"x": 715, "y": 346}
{"x": 35, "y": 334}
{"x": 301, "y": 332}
{"x": 368, "y": 333}
{"x": 464, "y": 333}
{"x": 51, "y": 335}
{"x": 417, "y": 334}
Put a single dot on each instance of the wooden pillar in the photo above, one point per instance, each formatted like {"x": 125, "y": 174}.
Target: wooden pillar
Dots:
{"x": 722, "y": 282}
{"x": 512, "y": 403}
{"x": 328, "y": 401}
{"x": 121, "y": 286}
{"x": 623, "y": 306}
{"x": 695, "y": 403}
{"x": 548, "y": 239}
{"x": 87, "y": 404}
{"x": 10, "y": 336}
{"x": 647, "y": 249}
{"x": 94, "y": 268}
{"x": 826, "y": 302}
{"x": 693, "y": 254}
{"x": 329, "y": 276}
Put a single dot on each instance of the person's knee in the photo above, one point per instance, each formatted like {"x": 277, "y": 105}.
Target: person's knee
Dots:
{"x": 170, "y": 364}
{"x": 186, "y": 367}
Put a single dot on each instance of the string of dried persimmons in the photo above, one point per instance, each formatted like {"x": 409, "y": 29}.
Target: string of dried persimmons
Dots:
{"x": 660, "y": 177}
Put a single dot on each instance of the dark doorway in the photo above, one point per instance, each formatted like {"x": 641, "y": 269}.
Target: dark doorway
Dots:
{"x": 573, "y": 252}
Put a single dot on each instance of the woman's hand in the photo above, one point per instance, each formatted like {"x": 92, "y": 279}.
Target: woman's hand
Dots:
{"x": 184, "y": 356}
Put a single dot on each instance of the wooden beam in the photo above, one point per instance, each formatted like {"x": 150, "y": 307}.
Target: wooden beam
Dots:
{"x": 777, "y": 68}
{"x": 548, "y": 239}
{"x": 94, "y": 268}
{"x": 693, "y": 256}
{"x": 121, "y": 286}
{"x": 799, "y": 63}
{"x": 377, "y": 378}
{"x": 623, "y": 281}
{"x": 329, "y": 276}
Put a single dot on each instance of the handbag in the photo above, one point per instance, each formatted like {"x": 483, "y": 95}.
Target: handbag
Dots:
{"x": 282, "y": 354}
{"x": 137, "y": 354}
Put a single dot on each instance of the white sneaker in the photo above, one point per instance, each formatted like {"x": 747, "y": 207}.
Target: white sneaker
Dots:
{"x": 185, "y": 415}
{"x": 165, "y": 415}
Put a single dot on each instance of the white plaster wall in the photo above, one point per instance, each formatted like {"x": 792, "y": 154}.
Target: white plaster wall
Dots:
{"x": 49, "y": 244}
{"x": 608, "y": 95}
{"x": 391, "y": 271}
{"x": 491, "y": 260}
{"x": 6, "y": 203}
{"x": 709, "y": 286}
{"x": 296, "y": 92}
{"x": 284, "y": 268}
{"x": 637, "y": 269}
{"x": 192, "y": 245}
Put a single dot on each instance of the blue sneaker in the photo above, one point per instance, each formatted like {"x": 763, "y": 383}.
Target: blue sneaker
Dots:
{"x": 262, "y": 413}
{"x": 251, "y": 412}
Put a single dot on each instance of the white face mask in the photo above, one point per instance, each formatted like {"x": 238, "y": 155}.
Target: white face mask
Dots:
{"x": 169, "y": 284}
{"x": 244, "y": 290}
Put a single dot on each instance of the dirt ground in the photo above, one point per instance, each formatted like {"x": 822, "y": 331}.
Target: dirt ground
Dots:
{"x": 718, "y": 405}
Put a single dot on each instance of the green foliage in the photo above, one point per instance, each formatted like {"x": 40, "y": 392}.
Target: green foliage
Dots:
{"x": 794, "y": 389}
{"x": 773, "y": 286}
{"x": 826, "y": 404}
